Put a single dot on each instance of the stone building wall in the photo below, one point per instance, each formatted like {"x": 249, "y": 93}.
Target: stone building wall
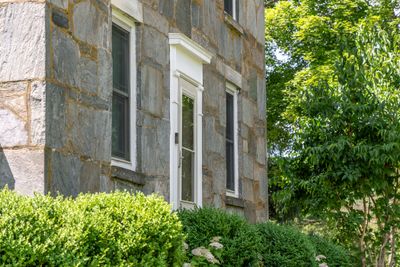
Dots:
{"x": 56, "y": 89}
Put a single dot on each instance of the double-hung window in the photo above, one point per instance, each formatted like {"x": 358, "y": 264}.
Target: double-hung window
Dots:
{"x": 231, "y": 141}
{"x": 231, "y": 7}
{"x": 123, "y": 97}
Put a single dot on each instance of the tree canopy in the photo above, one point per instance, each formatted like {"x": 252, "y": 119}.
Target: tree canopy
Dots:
{"x": 333, "y": 75}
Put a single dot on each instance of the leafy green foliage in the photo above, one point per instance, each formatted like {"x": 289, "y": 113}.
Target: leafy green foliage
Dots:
{"x": 336, "y": 256}
{"x": 337, "y": 156}
{"x": 116, "y": 229}
{"x": 240, "y": 239}
{"x": 285, "y": 246}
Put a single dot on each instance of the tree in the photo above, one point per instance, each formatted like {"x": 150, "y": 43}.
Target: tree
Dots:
{"x": 341, "y": 116}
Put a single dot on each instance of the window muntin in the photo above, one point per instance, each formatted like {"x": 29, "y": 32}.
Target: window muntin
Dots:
{"x": 121, "y": 93}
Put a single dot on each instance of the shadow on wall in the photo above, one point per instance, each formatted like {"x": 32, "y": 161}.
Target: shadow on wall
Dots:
{"x": 6, "y": 176}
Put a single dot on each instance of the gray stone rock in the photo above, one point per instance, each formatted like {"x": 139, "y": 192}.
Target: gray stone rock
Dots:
{"x": 166, "y": 8}
{"x": 22, "y": 41}
{"x": 65, "y": 171}
{"x": 183, "y": 16}
{"x": 105, "y": 86}
{"x": 38, "y": 113}
{"x": 60, "y": 3}
{"x": 12, "y": 130}
{"x": 6, "y": 175}
{"x": 247, "y": 112}
{"x": 56, "y": 124}
{"x": 27, "y": 168}
{"x": 90, "y": 177}
{"x": 90, "y": 25}
{"x": 60, "y": 19}
{"x": 152, "y": 90}
{"x": 156, "y": 46}
{"x": 155, "y": 19}
{"x": 248, "y": 166}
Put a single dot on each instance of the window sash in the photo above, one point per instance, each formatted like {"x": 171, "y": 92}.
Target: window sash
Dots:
{"x": 121, "y": 94}
{"x": 230, "y": 142}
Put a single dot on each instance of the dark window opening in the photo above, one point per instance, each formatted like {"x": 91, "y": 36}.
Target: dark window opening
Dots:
{"x": 230, "y": 142}
{"x": 121, "y": 94}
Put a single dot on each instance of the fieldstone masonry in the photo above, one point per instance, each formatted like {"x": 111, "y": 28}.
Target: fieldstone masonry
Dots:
{"x": 56, "y": 92}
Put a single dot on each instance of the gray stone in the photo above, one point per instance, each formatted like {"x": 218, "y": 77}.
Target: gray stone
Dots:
{"x": 152, "y": 90}
{"x": 6, "y": 175}
{"x": 166, "y": 8}
{"x": 247, "y": 112}
{"x": 156, "y": 45}
{"x": 105, "y": 75}
{"x": 27, "y": 168}
{"x": 22, "y": 41}
{"x": 70, "y": 68}
{"x": 65, "y": 174}
{"x": 248, "y": 166}
{"x": 89, "y": 177}
{"x": 60, "y": 19}
{"x": 90, "y": 132}
{"x": 197, "y": 15}
{"x": 55, "y": 117}
{"x": 261, "y": 99}
{"x": 60, "y": 3}
{"x": 12, "y": 130}
{"x": 154, "y": 139}
{"x": 261, "y": 150}
{"x": 38, "y": 113}
{"x": 212, "y": 141}
{"x": 183, "y": 16}
{"x": 155, "y": 20}
{"x": 90, "y": 25}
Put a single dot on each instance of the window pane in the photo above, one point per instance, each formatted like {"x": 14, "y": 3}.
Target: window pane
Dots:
{"x": 229, "y": 117}
{"x": 187, "y": 175}
{"x": 120, "y": 54}
{"x": 187, "y": 122}
{"x": 228, "y": 6}
{"x": 120, "y": 126}
{"x": 230, "y": 166}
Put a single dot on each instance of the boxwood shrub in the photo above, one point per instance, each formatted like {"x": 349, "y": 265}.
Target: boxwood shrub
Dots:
{"x": 116, "y": 229}
{"x": 285, "y": 246}
{"x": 240, "y": 239}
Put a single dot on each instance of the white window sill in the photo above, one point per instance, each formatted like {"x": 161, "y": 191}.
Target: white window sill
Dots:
{"x": 122, "y": 164}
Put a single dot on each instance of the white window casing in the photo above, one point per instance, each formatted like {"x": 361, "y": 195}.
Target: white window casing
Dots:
{"x": 186, "y": 66}
{"x": 233, "y": 90}
{"x": 128, "y": 24}
{"x": 132, "y": 8}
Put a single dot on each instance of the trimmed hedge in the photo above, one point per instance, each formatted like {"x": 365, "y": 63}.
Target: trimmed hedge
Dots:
{"x": 240, "y": 240}
{"x": 116, "y": 229}
{"x": 285, "y": 246}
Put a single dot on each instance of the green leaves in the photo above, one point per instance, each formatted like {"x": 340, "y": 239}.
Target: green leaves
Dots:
{"x": 116, "y": 229}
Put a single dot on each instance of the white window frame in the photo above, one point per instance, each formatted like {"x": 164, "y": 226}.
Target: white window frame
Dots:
{"x": 233, "y": 90}
{"x": 128, "y": 24}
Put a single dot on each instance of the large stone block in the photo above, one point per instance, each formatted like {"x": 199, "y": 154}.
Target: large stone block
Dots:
{"x": 69, "y": 67}
{"x": 90, "y": 132}
{"x": 154, "y": 19}
{"x": 90, "y": 25}
{"x": 105, "y": 85}
{"x": 152, "y": 95}
{"x": 22, "y": 41}
{"x": 65, "y": 173}
{"x": 56, "y": 124}
{"x": 248, "y": 112}
{"x": 212, "y": 141}
{"x": 25, "y": 168}
{"x": 154, "y": 137}
{"x": 38, "y": 113}
{"x": 183, "y": 16}
{"x": 12, "y": 129}
{"x": 156, "y": 46}
{"x": 90, "y": 177}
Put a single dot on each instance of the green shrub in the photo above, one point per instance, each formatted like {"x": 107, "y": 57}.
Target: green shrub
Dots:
{"x": 116, "y": 229}
{"x": 336, "y": 256}
{"x": 240, "y": 239}
{"x": 285, "y": 246}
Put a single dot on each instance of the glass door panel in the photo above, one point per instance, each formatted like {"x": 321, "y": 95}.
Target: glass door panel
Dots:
{"x": 187, "y": 149}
